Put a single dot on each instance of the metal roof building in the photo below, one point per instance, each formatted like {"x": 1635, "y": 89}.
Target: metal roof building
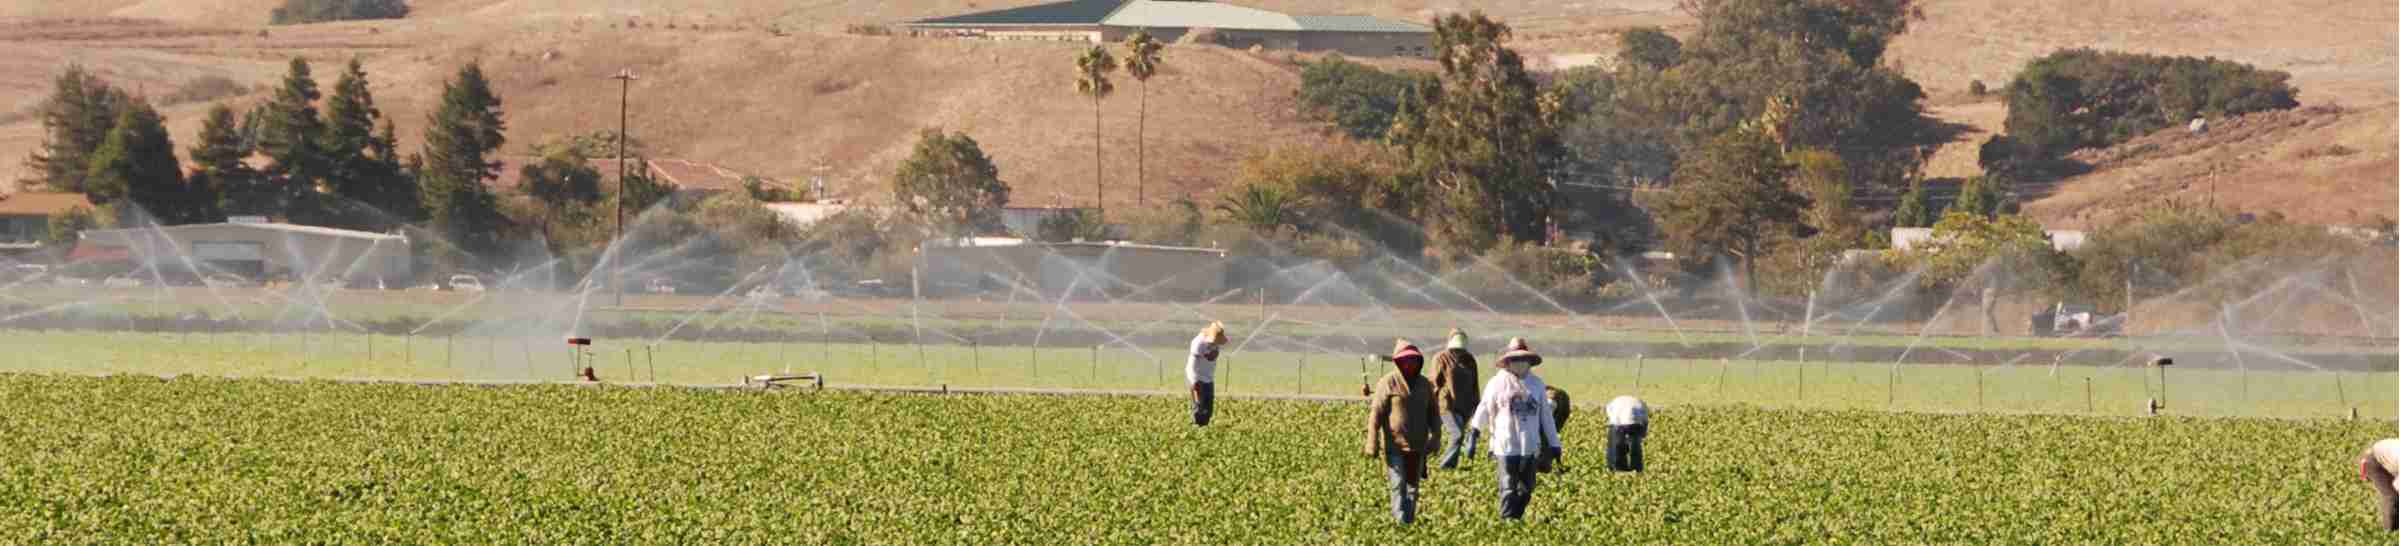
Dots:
{"x": 1186, "y": 21}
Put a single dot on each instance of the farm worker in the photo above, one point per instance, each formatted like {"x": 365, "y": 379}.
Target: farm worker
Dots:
{"x": 1628, "y": 424}
{"x": 1200, "y": 371}
{"x": 1454, "y": 386}
{"x": 2378, "y": 466}
{"x": 1400, "y": 426}
{"x": 1561, "y": 408}
{"x": 1517, "y": 415}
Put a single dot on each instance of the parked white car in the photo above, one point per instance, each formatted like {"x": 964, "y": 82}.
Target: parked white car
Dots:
{"x": 122, "y": 281}
{"x": 466, "y": 283}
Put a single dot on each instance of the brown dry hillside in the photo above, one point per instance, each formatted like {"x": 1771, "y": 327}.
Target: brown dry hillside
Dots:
{"x": 2318, "y": 165}
{"x": 719, "y": 88}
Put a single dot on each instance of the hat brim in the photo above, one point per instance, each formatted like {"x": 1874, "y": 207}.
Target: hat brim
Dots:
{"x": 1527, "y": 357}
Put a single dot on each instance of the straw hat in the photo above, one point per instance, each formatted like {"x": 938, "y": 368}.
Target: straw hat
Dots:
{"x": 1458, "y": 339}
{"x": 1518, "y": 351}
{"x": 1215, "y": 332}
{"x": 1403, "y": 350}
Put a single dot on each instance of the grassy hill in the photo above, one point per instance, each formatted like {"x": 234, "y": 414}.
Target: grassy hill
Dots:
{"x": 720, "y": 88}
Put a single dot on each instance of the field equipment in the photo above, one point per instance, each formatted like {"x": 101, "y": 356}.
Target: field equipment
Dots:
{"x": 769, "y": 381}
{"x": 2077, "y": 320}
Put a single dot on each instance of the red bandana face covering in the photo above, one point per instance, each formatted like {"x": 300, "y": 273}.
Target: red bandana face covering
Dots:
{"x": 1412, "y": 366}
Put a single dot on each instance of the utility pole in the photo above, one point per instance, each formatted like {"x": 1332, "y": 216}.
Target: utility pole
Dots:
{"x": 616, "y": 270}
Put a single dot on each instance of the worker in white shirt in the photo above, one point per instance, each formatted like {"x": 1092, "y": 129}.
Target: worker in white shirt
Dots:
{"x": 1200, "y": 371}
{"x": 2378, "y": 466}
{"x": 1628, "y": 424}
{"x": 1517, "y": 415}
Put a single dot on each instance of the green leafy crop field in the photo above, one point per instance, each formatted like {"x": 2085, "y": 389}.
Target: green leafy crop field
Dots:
{"x": 144, "y": 460}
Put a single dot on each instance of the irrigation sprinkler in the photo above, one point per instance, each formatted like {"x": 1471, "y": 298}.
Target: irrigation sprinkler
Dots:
{"x": 2088, "y": 407}
{"x": 1978, "y": 386}
{"x": 2342, "y": 394}
{"x": 1094, "y": 378}
{"x": 1300, "y": 384}
{"x": 1721, "y": 365}
{"x": 650, "y": 353}
{"x": 1638, "y": 359}
{"x": 449, "y": 341}
{"x": 975, "y": 352}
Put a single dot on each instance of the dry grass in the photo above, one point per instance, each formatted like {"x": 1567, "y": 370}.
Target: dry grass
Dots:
{"x": 2245, "y": 164}
{"x": 817, "y": 101}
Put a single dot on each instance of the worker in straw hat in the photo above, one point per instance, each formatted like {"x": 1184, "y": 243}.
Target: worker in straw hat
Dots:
{"x": 1517, "y": 415}
{"x": 1400, "y": 426}
{"x": 1455, "y": 390}
{"x": 1200, "y": 371}
{"x": 2378, "y": 466}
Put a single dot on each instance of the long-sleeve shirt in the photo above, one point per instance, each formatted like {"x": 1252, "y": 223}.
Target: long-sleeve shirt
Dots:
{"x": 1516, "y": 412}
{"x": 1455, "y": 381}
{"x": 1402, "y": 417}
{"x": 1627, "y": 410}
{"x": 1200, "y": 366}
{"x": 2386, "y": 453}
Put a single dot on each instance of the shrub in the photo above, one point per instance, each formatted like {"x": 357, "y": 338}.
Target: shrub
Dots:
{"x": 203, "y": 89}
{"x": 1524, "y": 275}
{"x": 868, "y": 30}
{"x": 2083, "y": 98}
{"x": 2178, "y": 246}
{"x": 1976, "y": 88}
{"x": 1357, "y": 98}
{"x": 1071, "y": 225}
{"x": 1649, "y": 47}
{"x": 1179, "y": 223}
{"x": 2329, "y": 150}
{"x": 294, "y": 12}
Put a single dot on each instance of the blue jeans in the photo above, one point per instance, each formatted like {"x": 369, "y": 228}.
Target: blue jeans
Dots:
{"x": 1204, "y": 403}
{"x": 1403, "y": 470}
{"x": 1516, "y": 485}
{"x": 1625, "y": 447}
{"x": 1461, "y": 444}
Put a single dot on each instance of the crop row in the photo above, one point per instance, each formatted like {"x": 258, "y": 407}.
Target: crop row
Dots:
{"x": 143, "y": 460}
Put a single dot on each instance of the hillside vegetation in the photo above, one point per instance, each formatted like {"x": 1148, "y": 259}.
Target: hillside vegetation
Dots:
{"x": 849, "y": 105}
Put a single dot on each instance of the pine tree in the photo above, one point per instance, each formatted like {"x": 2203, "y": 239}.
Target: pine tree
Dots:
{"x": 291, "y": 135}
{"x": 459, "y": 139}
{"x": 364, "y": 170}
{"x": 76, "y": 120}
{"x": 1913, "y": 211}
{"x": 137, "y": 164}
{"x": 1979, "y": 195}
{"x": 219, "y": 168}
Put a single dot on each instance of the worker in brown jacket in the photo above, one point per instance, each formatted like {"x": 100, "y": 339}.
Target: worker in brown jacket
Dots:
{"x": 1454, "y": 385}
{"x": 1400, "y": 427}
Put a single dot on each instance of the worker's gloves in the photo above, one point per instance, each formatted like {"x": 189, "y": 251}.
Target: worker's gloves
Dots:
{"x": 1548, "y": 459}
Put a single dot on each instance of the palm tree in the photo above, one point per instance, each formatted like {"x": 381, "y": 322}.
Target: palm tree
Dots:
{"x": 1261, "y": 208}
{"x": 1141, "y": 62}
{"x": 1091, "y": 80}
